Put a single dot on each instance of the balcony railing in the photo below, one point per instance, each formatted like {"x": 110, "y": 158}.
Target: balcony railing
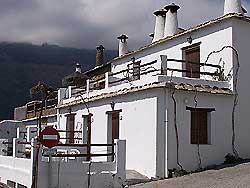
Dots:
{"x": 168, "y": 67}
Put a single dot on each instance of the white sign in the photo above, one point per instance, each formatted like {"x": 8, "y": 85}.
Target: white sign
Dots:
{"x": 48, "y": 151}
{"x": 50, "y": 137}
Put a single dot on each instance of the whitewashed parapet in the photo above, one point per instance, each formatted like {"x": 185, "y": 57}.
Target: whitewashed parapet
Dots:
{"x": 88, "y": 86}
{"x": 106, "y": 80}
{"x": 121, "y": 159}
{"x": 18, "y": 149}
{"x": 70, "y": 91}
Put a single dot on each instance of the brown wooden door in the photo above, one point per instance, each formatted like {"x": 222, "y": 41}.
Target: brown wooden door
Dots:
{"x": 115, "y": 130}
{"x": 193, "y": 55}
{"x": 115, "y": 126}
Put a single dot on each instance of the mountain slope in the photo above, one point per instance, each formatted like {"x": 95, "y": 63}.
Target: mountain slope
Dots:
{"x": 23, "y": 65}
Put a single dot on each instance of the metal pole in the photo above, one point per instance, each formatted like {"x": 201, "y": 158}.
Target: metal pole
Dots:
{"x": 50, "y": 170}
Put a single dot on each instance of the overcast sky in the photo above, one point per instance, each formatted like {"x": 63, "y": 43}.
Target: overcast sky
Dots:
{"x": 88, "y": 23}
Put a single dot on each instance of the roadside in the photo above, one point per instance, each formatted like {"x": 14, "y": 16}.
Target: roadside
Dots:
{"x": 237, "y": 176}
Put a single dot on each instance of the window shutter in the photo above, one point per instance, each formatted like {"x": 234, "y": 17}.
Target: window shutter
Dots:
{"x": 193, "y": 55}
{"x": 199, "y": 132}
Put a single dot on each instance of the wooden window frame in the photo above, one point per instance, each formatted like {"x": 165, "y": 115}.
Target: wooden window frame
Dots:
{"x": 184, "y": 54}
{"x": 202, "y": 134}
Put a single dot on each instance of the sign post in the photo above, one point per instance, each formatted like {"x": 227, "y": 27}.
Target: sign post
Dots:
{"x": 50, "y": 138}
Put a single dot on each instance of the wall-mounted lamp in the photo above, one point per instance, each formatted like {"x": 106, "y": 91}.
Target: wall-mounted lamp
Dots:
{"x": 112, "y": 104}
{"x": 69, "y": 110}
{"x": 190, "y": 40}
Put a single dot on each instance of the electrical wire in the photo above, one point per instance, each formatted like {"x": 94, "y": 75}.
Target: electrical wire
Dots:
{"x": 175, "y": 124}
{"x": 198, "y": 143}
{"x": 176, "y": 130}
{"x": 235, "y": 84}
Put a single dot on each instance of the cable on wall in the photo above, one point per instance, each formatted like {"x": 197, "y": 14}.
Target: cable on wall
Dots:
{"x": 175, "y": 125}
{"x": 198, "y": 144}
{"x": 235, "y": 84}
{"x": 176, "y": 130}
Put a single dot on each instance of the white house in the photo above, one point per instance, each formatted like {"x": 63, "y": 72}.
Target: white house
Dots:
{"x": 180, "y": 102}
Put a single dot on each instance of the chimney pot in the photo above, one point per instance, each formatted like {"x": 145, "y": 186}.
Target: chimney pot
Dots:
{"x": 233, "y": 6}
{"x": 99, "y": 55}
{"x": 151, "y": 35}
{"x": 78, "y": 68}
{"x": 171, "y": 26}
{"x": 159, "y": 24}
{"x": 123, "y": 45}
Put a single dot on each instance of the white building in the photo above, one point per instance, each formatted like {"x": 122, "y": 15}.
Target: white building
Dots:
{"x": 180, "y": 102}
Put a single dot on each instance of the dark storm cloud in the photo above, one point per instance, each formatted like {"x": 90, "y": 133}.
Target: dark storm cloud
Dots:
{"x": 88, "y": 23}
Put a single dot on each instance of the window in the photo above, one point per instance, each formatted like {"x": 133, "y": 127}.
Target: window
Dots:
{"x": 113, "y": 130}
{"x": 200, "y": 125}
{"x": 86, "y": 129}
{"x": 44, "y": 122}
{"x": 136, "y": 70}
{"x": 115, "y": 125}
{"x": 21, "y": 186}
{"x": 70, "y": 128}
{"x": 192, "y": 56}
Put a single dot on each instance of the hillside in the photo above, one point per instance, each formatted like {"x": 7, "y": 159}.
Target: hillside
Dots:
{"x": 22, "y": 65}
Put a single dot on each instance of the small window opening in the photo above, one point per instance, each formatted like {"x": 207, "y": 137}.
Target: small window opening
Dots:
{"x": 200, "y": 125}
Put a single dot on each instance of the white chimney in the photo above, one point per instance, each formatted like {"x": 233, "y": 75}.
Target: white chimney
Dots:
{"x": 123, "y": 45}
{"x": 233, "y": 6}
{"x": 78, "y": 68}
{"x": 171, "y": 26}
{"x": 159, "y": 24}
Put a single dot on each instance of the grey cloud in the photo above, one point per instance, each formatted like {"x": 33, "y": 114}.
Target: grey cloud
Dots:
{"x": 87, "y": 23}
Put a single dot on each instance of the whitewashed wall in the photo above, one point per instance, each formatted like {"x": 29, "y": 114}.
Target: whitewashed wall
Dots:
{"x": 161, "y": 151}
{"x": 212, "y": 38}
{"x": 220, "y": 130}
{"x": 16, "y": 170}
{"x": 51, "y": 120}
{"x": 241, "y": 42}
{"x": 137, "y": 127}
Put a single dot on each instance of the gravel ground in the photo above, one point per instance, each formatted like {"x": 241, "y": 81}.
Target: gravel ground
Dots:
{"x": 230, "y": 177}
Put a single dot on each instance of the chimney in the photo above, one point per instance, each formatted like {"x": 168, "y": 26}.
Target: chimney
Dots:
{"x": 123, "y": 45}
{"x": 171, "y": 26}
{"x": 159, "y": 24}
{"x": 78, "y": 68}
{"x": 99, "y": 55}
{"x": 233, "y": 6}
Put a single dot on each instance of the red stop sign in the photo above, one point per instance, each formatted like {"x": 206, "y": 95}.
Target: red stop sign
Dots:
{"x": 49, "y": 137}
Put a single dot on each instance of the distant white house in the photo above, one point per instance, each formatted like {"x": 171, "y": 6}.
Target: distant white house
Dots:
{"x": 180, "y": 102}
